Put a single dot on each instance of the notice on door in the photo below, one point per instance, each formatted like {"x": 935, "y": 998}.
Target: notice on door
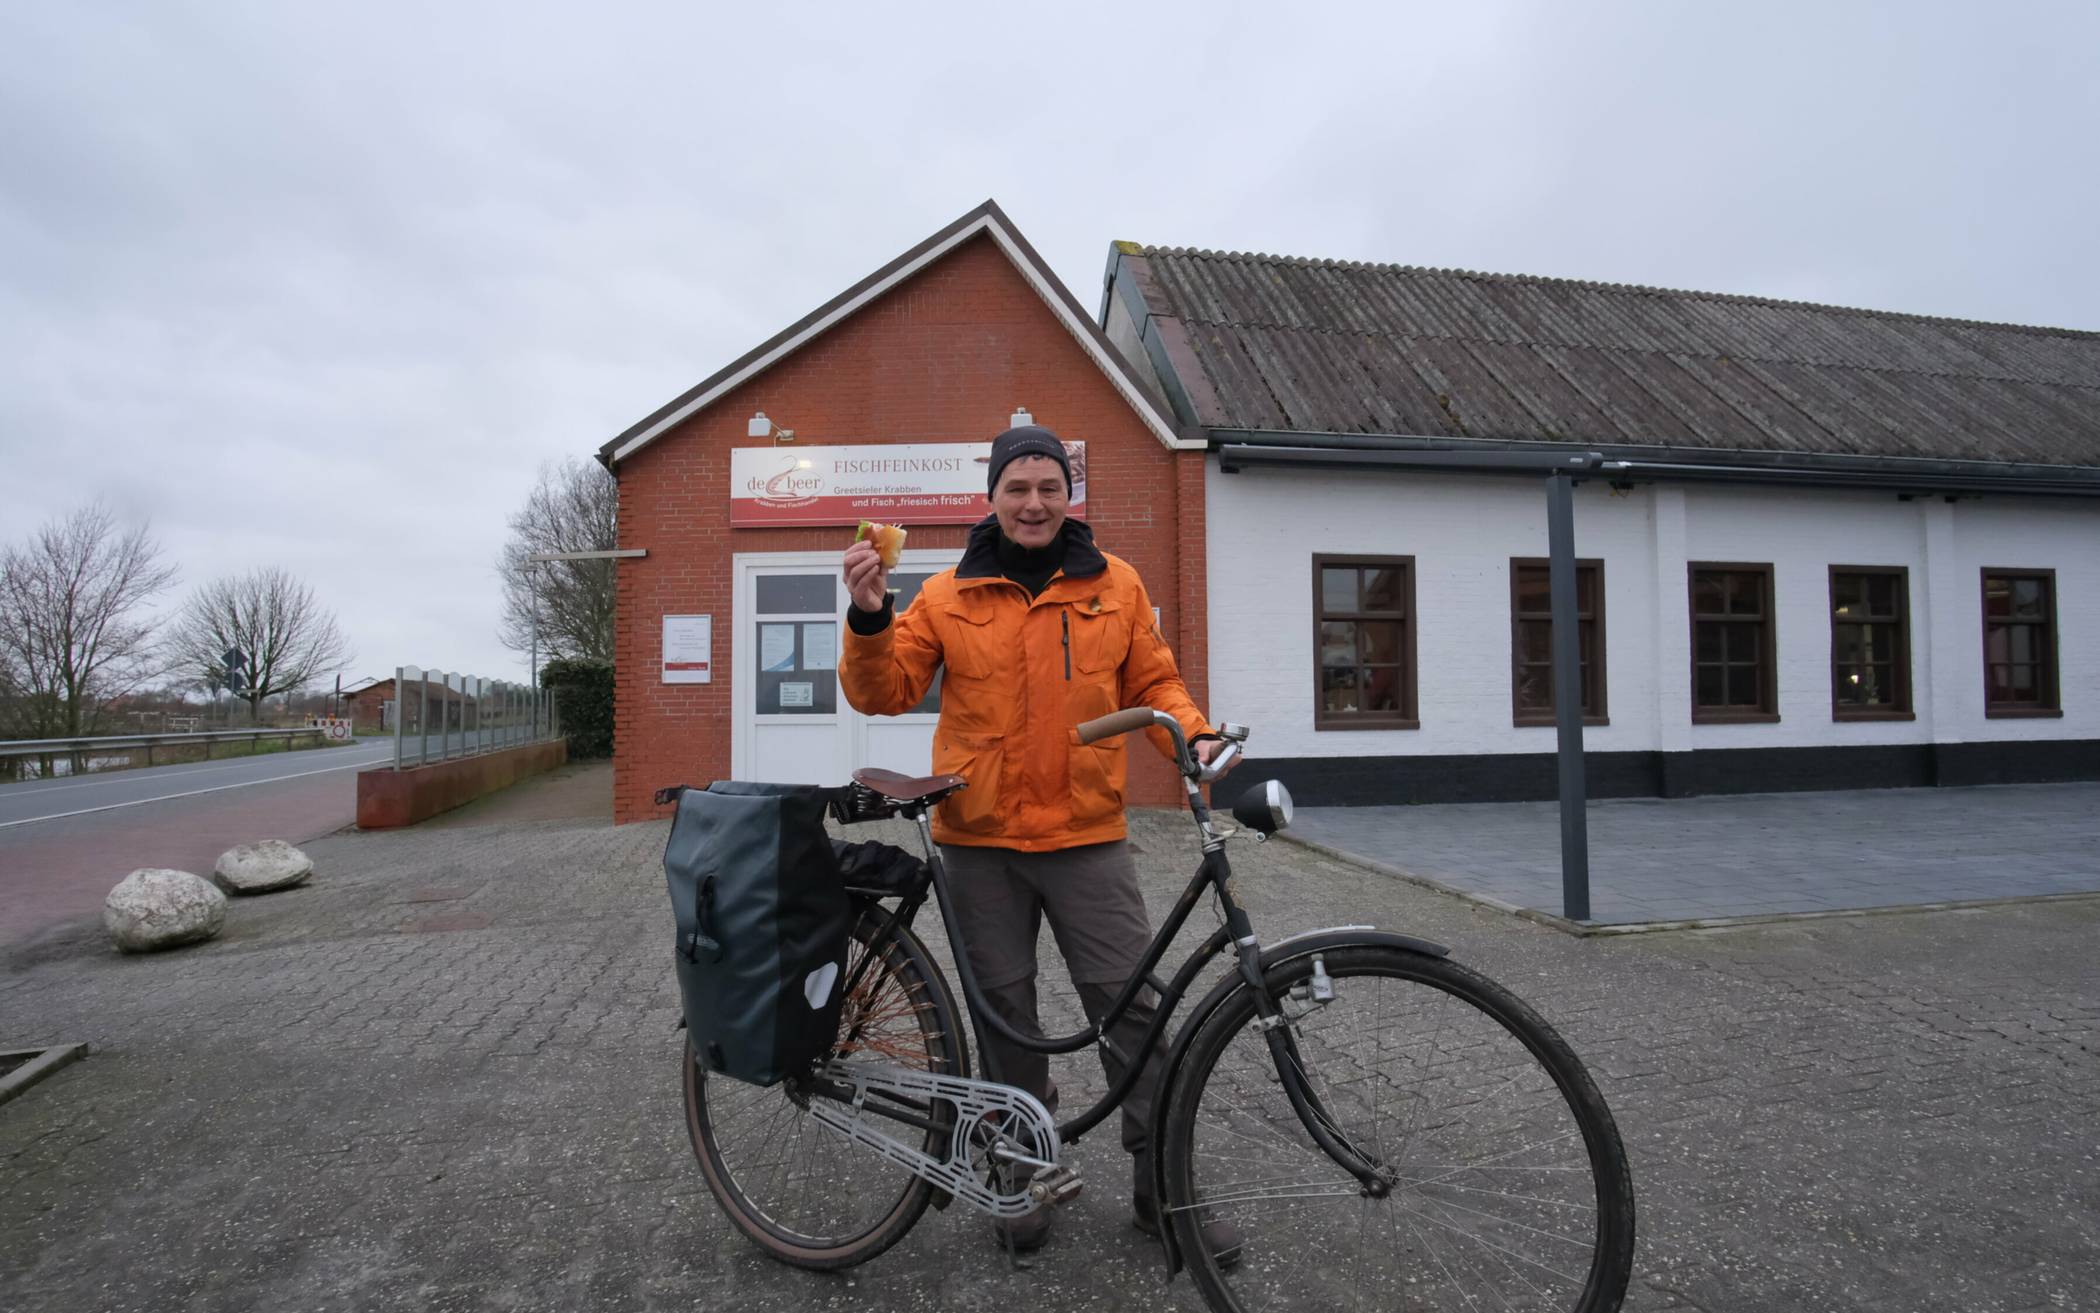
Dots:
{"x": 798, "y": 694}
{"x": 688, "y": 649}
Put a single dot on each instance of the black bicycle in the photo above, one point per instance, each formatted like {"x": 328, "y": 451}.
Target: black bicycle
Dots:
{"x": 1387, "y": 1128}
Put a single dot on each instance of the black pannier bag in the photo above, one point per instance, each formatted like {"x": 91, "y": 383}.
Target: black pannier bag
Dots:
{"x": 762, "y": 916}
{"x": 877, "y": 870}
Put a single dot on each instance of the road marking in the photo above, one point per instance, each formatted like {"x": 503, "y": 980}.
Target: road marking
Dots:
{"x": 175, "y": 771}
{"x": 169, "y": 797}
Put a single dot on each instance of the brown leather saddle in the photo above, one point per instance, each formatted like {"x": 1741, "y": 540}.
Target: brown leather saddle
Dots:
{"x": 904, "y": 788}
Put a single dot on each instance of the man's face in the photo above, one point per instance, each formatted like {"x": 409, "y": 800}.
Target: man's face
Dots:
{"x": 1031, "y": 500}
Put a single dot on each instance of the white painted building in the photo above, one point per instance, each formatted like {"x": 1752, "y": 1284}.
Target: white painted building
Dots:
{"x": 1932, "y": 616}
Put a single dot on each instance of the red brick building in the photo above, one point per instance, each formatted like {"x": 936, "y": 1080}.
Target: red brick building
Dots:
{"x": 941, "y": 346}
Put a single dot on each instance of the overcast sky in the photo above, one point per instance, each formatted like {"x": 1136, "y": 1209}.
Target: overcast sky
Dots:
{"x": 322, "y": 286}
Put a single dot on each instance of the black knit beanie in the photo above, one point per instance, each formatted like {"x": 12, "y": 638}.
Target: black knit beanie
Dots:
{"x": 1028, "y": 440}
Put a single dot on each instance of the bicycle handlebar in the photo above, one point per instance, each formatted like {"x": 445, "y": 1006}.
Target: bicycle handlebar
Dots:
{"x": 1136, "y": 718}
{"x": 1119, "y": 722}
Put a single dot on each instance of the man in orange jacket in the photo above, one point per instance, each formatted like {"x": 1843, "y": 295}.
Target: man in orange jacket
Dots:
{"x": 1038, "y": 630}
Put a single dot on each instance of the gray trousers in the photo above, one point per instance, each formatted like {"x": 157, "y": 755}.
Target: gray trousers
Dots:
{"x": 1090, "y": 897}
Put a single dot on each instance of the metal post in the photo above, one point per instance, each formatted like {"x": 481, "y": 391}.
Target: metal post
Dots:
{"x": 422, "y": 716}
{"x": 532, "y": 604}
{"x": 1567, "y": 699}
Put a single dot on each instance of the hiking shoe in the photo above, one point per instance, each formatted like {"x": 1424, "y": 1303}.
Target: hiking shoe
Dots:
{"x": 1221, "y": 1237}
{"x": 1026, "y": 1234}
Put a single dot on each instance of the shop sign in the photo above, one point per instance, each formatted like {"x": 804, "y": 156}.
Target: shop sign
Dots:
{"x": 896, "y": 483}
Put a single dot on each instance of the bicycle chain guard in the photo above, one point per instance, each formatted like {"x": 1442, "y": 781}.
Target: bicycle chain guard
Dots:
{"x": 1013, "y": 1117}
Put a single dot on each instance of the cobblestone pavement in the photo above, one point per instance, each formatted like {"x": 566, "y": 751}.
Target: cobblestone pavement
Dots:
{"x": 1681, "y": 859}
{"x": 443, "y": 1076}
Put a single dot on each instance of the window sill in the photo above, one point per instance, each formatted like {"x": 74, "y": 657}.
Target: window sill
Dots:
{"x": 1533, "y": 722}
{"x": 1322, "y": 726}
{"x": 1868, "y": 714}
{"x": 1735, "y": 717}
{"x": 2023, "y": 713}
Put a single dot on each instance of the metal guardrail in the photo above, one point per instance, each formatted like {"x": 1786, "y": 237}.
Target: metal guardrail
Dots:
{"x": 78, "y": 750}
{"x": 458, "y": 715}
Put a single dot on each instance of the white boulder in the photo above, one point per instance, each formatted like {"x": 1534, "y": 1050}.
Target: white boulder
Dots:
{"x": 258, "y": 868}
{"x": 160, "y": 908}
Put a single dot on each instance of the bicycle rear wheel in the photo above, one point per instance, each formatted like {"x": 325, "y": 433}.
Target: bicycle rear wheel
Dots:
{"x": 795, "y": 1187}
{"x": 1509, "y": 1186}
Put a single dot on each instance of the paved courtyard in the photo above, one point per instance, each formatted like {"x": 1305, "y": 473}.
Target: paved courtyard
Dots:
{"x": 1679, "y": 859}
{"x": 443, "y": 1076}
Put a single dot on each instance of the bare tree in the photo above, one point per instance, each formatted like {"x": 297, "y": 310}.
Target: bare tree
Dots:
{"x": 73, "y": 628}
{"x": 573, "y": 508}
{"x": 269, "y": 617}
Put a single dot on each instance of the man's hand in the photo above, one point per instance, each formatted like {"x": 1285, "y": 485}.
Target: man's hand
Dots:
{"x": 866, "y": 580}
{"x": 1209, "y": 748}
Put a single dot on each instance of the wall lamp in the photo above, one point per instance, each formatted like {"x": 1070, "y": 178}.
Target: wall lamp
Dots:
{"x": 761, "y": 427}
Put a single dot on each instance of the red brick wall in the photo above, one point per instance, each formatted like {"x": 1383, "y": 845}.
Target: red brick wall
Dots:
{"x": 944, "y": 357}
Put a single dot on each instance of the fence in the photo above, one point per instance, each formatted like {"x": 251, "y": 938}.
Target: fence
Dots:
{"x": 439, "y": 716}
{"x": 43, "y": 758}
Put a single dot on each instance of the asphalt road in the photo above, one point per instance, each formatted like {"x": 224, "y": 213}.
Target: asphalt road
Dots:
{"x": 65, "y": 842}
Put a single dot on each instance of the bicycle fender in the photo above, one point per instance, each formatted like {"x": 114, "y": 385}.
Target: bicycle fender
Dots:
{"x": 1274, "y": 955}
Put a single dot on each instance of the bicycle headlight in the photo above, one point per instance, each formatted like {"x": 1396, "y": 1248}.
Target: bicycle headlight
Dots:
{"x": 1265, "y": 808}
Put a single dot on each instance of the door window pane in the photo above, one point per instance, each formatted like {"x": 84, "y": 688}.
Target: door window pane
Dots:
{"x": 905, "y": 587}
{"x": 797, "y": 668}
{"x": 797, "y": 594}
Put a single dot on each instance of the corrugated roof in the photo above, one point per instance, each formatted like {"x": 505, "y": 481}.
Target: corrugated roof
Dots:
{"x": 1331, "y": 346}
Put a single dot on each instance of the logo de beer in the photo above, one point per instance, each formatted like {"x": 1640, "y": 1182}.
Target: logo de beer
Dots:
{"x": 785, "y": 486}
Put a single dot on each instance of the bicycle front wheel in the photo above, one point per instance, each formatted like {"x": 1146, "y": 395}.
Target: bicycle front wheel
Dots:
{"x": 1508, "y": 1186}
{"x": 793, "y": 1185}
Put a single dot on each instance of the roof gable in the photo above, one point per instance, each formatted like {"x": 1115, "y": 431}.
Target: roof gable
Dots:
{"x": 1266, "y": 342}
{"x": 987, "y": 219}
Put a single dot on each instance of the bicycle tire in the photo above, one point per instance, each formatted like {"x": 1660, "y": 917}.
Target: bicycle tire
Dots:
{"x": 1490, "y": 1214}
{"x": 850, "y": 1204}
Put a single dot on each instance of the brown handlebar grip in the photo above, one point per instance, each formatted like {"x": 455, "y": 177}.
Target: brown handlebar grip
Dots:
{"x": 1114, "y": 723}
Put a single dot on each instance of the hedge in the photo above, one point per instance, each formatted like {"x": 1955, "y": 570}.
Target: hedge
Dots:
{"x": 584, "y": 692}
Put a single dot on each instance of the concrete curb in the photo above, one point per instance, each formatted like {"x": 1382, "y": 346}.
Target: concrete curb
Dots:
{"x": 43, "y": 1064}
{"x": 1598, "y": 930}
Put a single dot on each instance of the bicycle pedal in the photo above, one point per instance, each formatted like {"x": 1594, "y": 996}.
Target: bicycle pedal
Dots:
{"x": 1054, "y": 1186}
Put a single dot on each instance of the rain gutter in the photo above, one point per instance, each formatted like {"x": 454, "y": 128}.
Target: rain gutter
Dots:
{"x": 1240, "y": 449}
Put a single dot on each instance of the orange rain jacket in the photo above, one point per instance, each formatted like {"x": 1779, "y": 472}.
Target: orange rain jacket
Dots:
{"x": 1021, "y": 673}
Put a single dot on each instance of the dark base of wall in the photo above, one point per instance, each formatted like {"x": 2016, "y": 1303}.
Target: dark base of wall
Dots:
{"x": 1532, "y": 777}
{"x": 389, "y": 798}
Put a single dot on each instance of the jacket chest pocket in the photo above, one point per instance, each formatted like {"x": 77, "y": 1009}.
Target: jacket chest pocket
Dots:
{"x": 970, "y": 646}
{"x": 1100, "y": 637}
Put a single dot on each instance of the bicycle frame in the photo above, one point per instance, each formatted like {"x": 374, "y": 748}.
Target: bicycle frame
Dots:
{"x": 1213, "y": 873}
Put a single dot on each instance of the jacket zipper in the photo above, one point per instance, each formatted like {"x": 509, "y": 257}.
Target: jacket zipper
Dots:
{"x": 1064, "y": 620}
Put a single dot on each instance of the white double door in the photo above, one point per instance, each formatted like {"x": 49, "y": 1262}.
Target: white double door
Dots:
{"x": 793, "y": 724}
